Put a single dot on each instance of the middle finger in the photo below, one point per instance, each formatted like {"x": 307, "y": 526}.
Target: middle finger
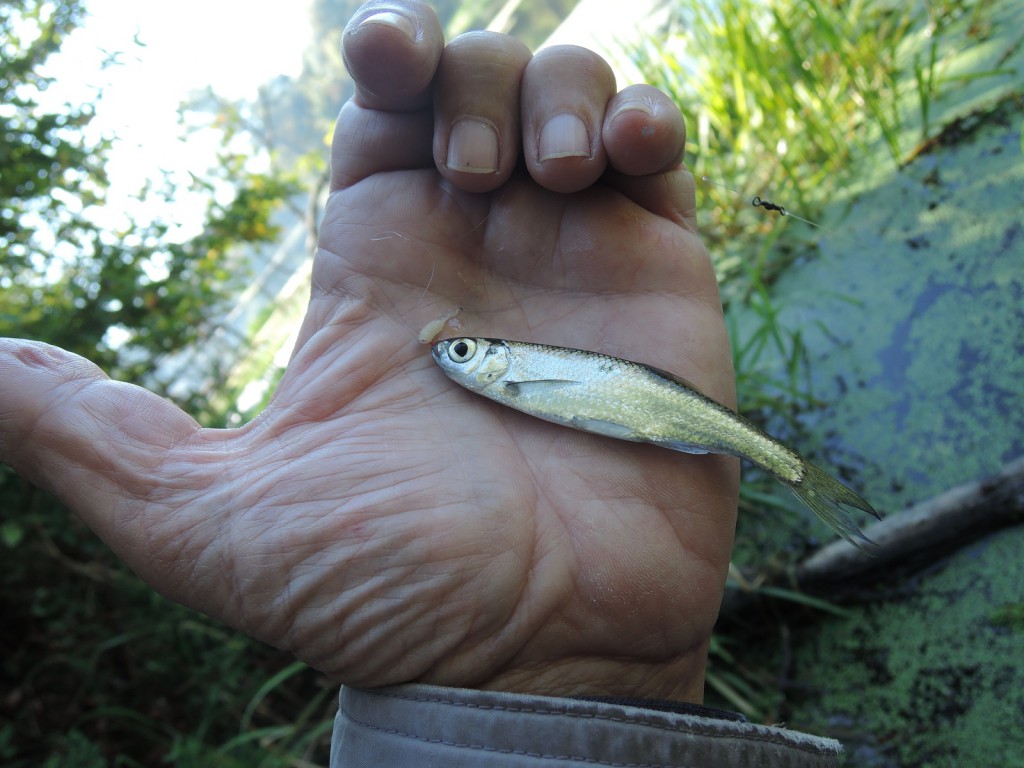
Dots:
{"x": 476, "y": 109}
{"x": 566, "y": 90}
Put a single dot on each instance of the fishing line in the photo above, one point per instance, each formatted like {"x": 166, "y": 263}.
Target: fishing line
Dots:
{"x": 769, "y": 206}
{"x": 758, "y": 202}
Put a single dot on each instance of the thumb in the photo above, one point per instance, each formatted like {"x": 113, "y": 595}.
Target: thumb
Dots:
{"x": 99, "y": 445}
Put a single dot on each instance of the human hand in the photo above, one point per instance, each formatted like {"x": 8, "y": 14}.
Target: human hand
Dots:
{"x": 377, "y": 520}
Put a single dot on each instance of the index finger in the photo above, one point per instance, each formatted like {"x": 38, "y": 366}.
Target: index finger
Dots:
{"x": 391, "y": 50}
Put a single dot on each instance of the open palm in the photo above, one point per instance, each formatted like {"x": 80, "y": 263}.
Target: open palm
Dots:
{"x": 377, "y": 520}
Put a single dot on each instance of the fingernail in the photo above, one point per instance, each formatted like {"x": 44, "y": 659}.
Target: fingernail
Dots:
{"x": 392, "y": 19}
{"x": 632, "y": 108}
{"x": 563, "y": 135}
{"x": 473, "y": 146}
{"x": 636, "y": 111}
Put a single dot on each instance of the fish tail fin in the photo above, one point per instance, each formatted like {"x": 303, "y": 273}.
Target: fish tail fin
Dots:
{"x": 825, "y": 496}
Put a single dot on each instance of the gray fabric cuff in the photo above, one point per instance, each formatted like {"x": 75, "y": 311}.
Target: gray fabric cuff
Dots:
{"x": 424, "y": 725}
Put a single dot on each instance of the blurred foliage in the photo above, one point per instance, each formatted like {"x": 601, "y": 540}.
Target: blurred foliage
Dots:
{"x": 531, "y": 21}
{"x": 92, "y": 660}
{"x": 70, "y": 281}
{"x": 97, "y": 667}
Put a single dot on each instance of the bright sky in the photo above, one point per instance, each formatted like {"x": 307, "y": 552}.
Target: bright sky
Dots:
{"x": 231, "y": 45}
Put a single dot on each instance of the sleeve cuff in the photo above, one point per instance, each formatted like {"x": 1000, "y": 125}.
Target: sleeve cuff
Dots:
{"x": 423, "y": 725}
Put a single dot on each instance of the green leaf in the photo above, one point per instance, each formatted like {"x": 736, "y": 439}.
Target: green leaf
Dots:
{"x": 11, "y": 534}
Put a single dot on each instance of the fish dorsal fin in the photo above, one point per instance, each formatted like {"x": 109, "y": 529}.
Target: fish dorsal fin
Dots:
{"x": 674, "y": 378}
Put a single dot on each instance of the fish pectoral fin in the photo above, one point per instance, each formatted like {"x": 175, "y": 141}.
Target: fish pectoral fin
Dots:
{"x": 606, "y": 428}
{"x": 676, "y": 445}
{"x": 535, "y": 387}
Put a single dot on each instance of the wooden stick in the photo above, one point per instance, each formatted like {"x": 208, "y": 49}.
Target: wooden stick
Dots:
{"x": 908, "y": 540}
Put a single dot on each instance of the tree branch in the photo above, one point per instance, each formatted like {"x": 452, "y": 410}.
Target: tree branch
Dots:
{"x": 907, "y": 541}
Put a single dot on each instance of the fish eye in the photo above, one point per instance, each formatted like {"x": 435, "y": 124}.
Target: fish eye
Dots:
{"x": 461, "y": 350}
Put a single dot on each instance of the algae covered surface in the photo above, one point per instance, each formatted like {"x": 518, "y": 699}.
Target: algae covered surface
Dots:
{"x": 910, "y": 309}
{"x": 914, "y": 316}
{"x": 911, "y": 314}
{"x": 913, "y": 319}
{"x": 930, "y": 674}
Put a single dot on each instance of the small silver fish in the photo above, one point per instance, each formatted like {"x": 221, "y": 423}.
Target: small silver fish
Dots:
{"x": 632, "y": 401}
